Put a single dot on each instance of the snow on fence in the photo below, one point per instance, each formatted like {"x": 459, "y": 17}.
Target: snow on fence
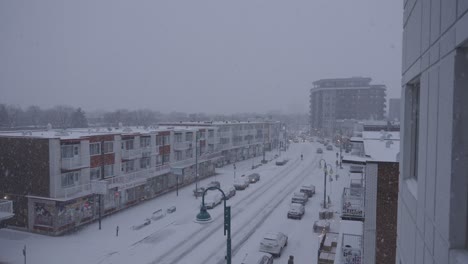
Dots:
{"x": 352, "y": 203}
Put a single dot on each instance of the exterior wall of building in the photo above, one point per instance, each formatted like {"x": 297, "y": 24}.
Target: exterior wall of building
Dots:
{"x": 370, "y": 221}
{"x": 394, "y": 109}
{"x": 432, "y": 206}
{"x": 24, "y": 163}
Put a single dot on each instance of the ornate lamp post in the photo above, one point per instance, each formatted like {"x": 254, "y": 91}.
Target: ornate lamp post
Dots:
{"x": 204, "y": 217}
{"x": 325, "y": 173}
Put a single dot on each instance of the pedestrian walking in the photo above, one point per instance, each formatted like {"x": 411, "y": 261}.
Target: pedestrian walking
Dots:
{"x": 117, "y": 231}
{"x": 291, "y": 260}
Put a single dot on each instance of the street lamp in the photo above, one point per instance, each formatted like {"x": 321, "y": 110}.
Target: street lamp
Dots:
{"x": 325, "y": 172}
{"x": 204, "y": 217}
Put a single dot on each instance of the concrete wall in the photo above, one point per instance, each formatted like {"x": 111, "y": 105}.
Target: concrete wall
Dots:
{"x": 432, "y": 210}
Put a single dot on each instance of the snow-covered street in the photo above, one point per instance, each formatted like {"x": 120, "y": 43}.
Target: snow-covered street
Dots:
{"x": 177, "y": 238}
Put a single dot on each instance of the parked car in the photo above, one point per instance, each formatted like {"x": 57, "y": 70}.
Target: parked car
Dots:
{"x": 296, "y": 211}
{"x": 329, "y": 147}
{"x": 241, "y": 183}
{"x": 319, "y": 150}
{"x": 274, "y": 243}
{"x": 254, "y": 177}
{"x": 214, "y": 184}
{"x": 281, "y": 162}
{"x": 229, "y": 192}
{"x": 212, "y": 199}
{"x": 158, "y": 214}
{"x": 308, "y": 189}
{"x": 299, "y": 197}
{"x": 258, "y": 258}
{"x": 199, "y": 191}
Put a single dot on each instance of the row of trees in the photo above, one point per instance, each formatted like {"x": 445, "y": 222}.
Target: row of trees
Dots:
{"x": 12, "y": 116}
{"x": 15, "y": 117}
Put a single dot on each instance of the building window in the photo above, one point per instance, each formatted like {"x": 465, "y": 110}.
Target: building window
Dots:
{"x": 128, "y": 166}
{"x": 412, "y": 122}
{"x": 95, "y": 173}
{"x": 70, "y": 178}
{"x": 108, "y": 147}
{"x": 158, "y": 160}
{"x": 94, "y": 149}
{"x": 210, "y": 133}
{"x": 188, "y": 153}
{"x": 189, "y": 136}
{"x": 127, "y": 144}
{"x": 145, "y": 142}
{"x": 70, "y": 151}
{"x": 178, "y": 137}
{"x": 145, "y": 163}
{"x": 159, "y": 140}
{"x": 165, "y": 158}
{"x": 166, "y": 140}
{"x": 108, "y": 170}
{"x": 178, "y": 155}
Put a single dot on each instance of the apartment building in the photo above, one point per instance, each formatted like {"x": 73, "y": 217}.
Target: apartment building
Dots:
{"x": 344, "y": 98}
{"x": 433, "y": 187}
{"x": 242, "y": 140}
{"x": 59, "y": 180}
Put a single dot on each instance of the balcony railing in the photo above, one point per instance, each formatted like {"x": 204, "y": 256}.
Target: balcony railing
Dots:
{"x": 351, "y": 249}
{"x": 134, "y": 178}
{"x": 131, "y": 153}
{"x": 73, "y": 191}
{"x": 71, "y": 163}
{"x": 352, "y": 204}
{"x": 182, "y": 145}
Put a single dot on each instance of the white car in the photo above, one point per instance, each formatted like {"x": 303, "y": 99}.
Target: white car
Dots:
{"x": 273, "y": 243}
{"x": 296, "y": 211}
{"x": 258, "y": 258}
{"x": 212, "y": 199}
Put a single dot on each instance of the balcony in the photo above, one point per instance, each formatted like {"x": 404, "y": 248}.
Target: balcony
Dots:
{"x": 128, "y": 154}
{"x": 6, "y": 209}
{"x": 352, "y": 207}
{"x": 71, "y": 163}
{"x": 136, "y": 178}
{"x": 182, "y": 145}
{"x": 351, "y": 249}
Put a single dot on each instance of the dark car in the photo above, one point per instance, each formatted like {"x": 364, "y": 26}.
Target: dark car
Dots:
{"x": 319, "y": 150}
{"x": 281, "y": 162}
{"x": 254, "y": 177}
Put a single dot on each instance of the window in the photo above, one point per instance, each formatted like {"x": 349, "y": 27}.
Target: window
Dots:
{"x": 178, "y": 155}
{"x": 127, "y": 144}
{"x": 94, "y": 149}
{"x": 159, "y": 140}
{"x": 210, "y": 133}
{"x": 166, "y": 140}
{"x": 413, "y": 125}
{"x": 189, "y": 136}
{"x": 145, "y": 142}
{"x": 145, "y": 163}
{"x": 188, "y": 153}
{"x": 178, "y": 137}
{"x": 158, "y": 160}
{"x": 70, "y": 178}
{"x": 70, "y": 151}
{"x": 166, "y": 158}
{"x": 128, "y": 166}
{"x": 95, "y": 173}
{"x": 108, "y": 170}
{"x": 108, "y": 147}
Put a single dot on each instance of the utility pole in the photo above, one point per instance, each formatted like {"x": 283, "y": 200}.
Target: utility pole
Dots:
{"x": 196, "y": 160}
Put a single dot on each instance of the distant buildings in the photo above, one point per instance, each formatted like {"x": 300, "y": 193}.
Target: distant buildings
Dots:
{"x": 59, "y": 180}
{"x": 345, "y": 98}
{"x": 394, "y": 109}
{"x": 433, "y": 201}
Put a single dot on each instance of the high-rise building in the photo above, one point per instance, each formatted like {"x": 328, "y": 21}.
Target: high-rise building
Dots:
{"x": 345, "y": 98}
{"x": 394, "y": 109}
{"x": 433, "y": 185}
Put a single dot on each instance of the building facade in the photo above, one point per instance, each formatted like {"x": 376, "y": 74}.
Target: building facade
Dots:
{"x": 345, "y": 98}
{"x": 394, "y": 109}
{"x": 433, "y": 202}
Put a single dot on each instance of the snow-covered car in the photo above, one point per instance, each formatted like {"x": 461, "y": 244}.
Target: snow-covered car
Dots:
{"x": 158, "y": 214}
{"x": 212, "y": 199}
{"x": 296, "y": 211}
{"x": 281, "y": 162}
{"x": 241, "y": 183}
{"x": 214, "y": 184}
{"x": 329, "y": 147}
{"x": 254, "y": 177}
{"x": 258, "y": 258}
{"x": 273, "y": 243}
{"x": 308, "y": 189}
{"x": 319, "y": 150}
{"x": 321, "y": 226}
{"x": 229, "y": 192}
{"x": 199, "y": 191}
{"x": 300, "y": 198}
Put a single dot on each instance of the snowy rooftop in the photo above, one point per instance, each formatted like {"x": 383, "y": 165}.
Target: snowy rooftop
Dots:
{"x": 75, "y": 133}
{"x": 356, "y": 139}
{"x": 354, "y": 159}
{"x": 382, "y": 150}
{"x": 378, "y": 135}
{"x": 217, "y": 123}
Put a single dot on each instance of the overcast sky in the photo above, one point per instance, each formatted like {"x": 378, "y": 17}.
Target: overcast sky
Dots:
{"x": 212, "y": 56}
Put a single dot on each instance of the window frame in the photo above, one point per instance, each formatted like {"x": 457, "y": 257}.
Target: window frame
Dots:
{"x": 93, "y": 151}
